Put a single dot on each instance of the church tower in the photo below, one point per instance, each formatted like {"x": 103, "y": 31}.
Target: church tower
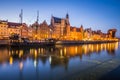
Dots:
{"x": 67, "y": 19}
{"x": 67, "y": 25}
{"x": 67, "y": 16}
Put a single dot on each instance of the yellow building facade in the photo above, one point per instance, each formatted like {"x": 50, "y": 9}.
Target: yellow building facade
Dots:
{"x": 58, "y": 26}
{"x": 63, "y": 31}
{"x": 3, "y": 30}
{"x": 59, "y": 29}
{"x": 41, "y": 31}
{"x": 9, "y": 28}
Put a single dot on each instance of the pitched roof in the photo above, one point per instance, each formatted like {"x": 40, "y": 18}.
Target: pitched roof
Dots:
{"x": 112, "y": 30}
{"x": 72, "y": 28}
{"x": 77, "y": 29}
{"x": 3, "y": 21}
{"x": 57, "y": 20}
{"x": 44, "y": 24}
{"x": 14, "y": 24}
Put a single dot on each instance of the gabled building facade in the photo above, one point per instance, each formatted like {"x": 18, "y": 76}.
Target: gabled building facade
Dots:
{"x": 44, "y": 30}
{"x": 59, "y": 26}
{"x": 41, "y": 31}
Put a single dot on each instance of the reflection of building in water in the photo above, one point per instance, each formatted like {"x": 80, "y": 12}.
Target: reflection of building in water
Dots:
{"x": 58, "y": 61}
{"x": 3, "y": 55}
{"x": 111, "y": 48}
{"x": 87, "y": 49}
{"x": 57, "y": 56}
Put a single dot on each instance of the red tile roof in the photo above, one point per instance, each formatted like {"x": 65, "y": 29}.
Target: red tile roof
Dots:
{"x": 10, "y": 24}
{"x": 14, "y": 24}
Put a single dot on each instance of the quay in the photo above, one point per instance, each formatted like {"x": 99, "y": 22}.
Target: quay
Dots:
{"x": 68, "y": 42}
{"x": 31, "y": 44}
{"x": 52, "y": 43}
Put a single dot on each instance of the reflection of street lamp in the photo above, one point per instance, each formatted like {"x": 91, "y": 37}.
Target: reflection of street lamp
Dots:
{"x": 50, "y": 59}
{"x": 50, "y": 33}
{"x": 21, "y": 65}
{"x": 11, "y": 60}
{"x": 35, "y": 63}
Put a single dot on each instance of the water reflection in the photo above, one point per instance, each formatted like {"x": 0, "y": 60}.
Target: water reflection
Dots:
{"x": 54, "y": 56}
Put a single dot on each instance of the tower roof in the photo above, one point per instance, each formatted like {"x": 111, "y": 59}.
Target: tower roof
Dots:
{"x": 67, "y": 15}
{"x": 11, "y": 24}
{"x": 57, "y": 20}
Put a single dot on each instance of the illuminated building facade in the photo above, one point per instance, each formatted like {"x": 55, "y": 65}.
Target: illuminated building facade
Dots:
{"x": 87, "y": 34}
{"x": 3, "y": 29}
{"x": 41, "y": 31}
{"x": 24, "y": 31}
{"x": 111, "y": 33}
{"x": 30, "y": 33}
{"x": 59, "y": 26}
{"x": 14, "y": 28}
{"x": 9, "y": 28}
{"x": 34, "y": 28}
{"x": 44, "y": 30}
{"x": 76, "y": 33}
{"x": 63, "y": 31}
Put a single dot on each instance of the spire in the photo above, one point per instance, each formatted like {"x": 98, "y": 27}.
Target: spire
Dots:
{"x": 44, "y": 22}
{"x": 67, "y": 16}
{"x": 81, "y": 26}
{"x": 52, "y": 20}
{"x": 21, "y": 16}
{"x": 37, "y": 16}
{"x": 67, "y": 19}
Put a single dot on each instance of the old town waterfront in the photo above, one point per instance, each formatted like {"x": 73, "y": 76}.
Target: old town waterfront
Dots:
{"x": 59, "y": 40}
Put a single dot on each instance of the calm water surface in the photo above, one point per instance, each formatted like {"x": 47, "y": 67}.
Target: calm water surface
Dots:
{"x": 85, "y": 62}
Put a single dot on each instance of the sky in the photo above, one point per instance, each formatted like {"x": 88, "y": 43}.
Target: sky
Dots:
{"x": 95, "y": 14}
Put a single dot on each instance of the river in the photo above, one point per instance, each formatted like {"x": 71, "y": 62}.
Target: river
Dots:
{"x": 59, "y": 62}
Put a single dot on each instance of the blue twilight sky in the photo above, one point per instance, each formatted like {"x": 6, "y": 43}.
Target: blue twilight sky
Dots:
{"x": 97, "y": 14}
